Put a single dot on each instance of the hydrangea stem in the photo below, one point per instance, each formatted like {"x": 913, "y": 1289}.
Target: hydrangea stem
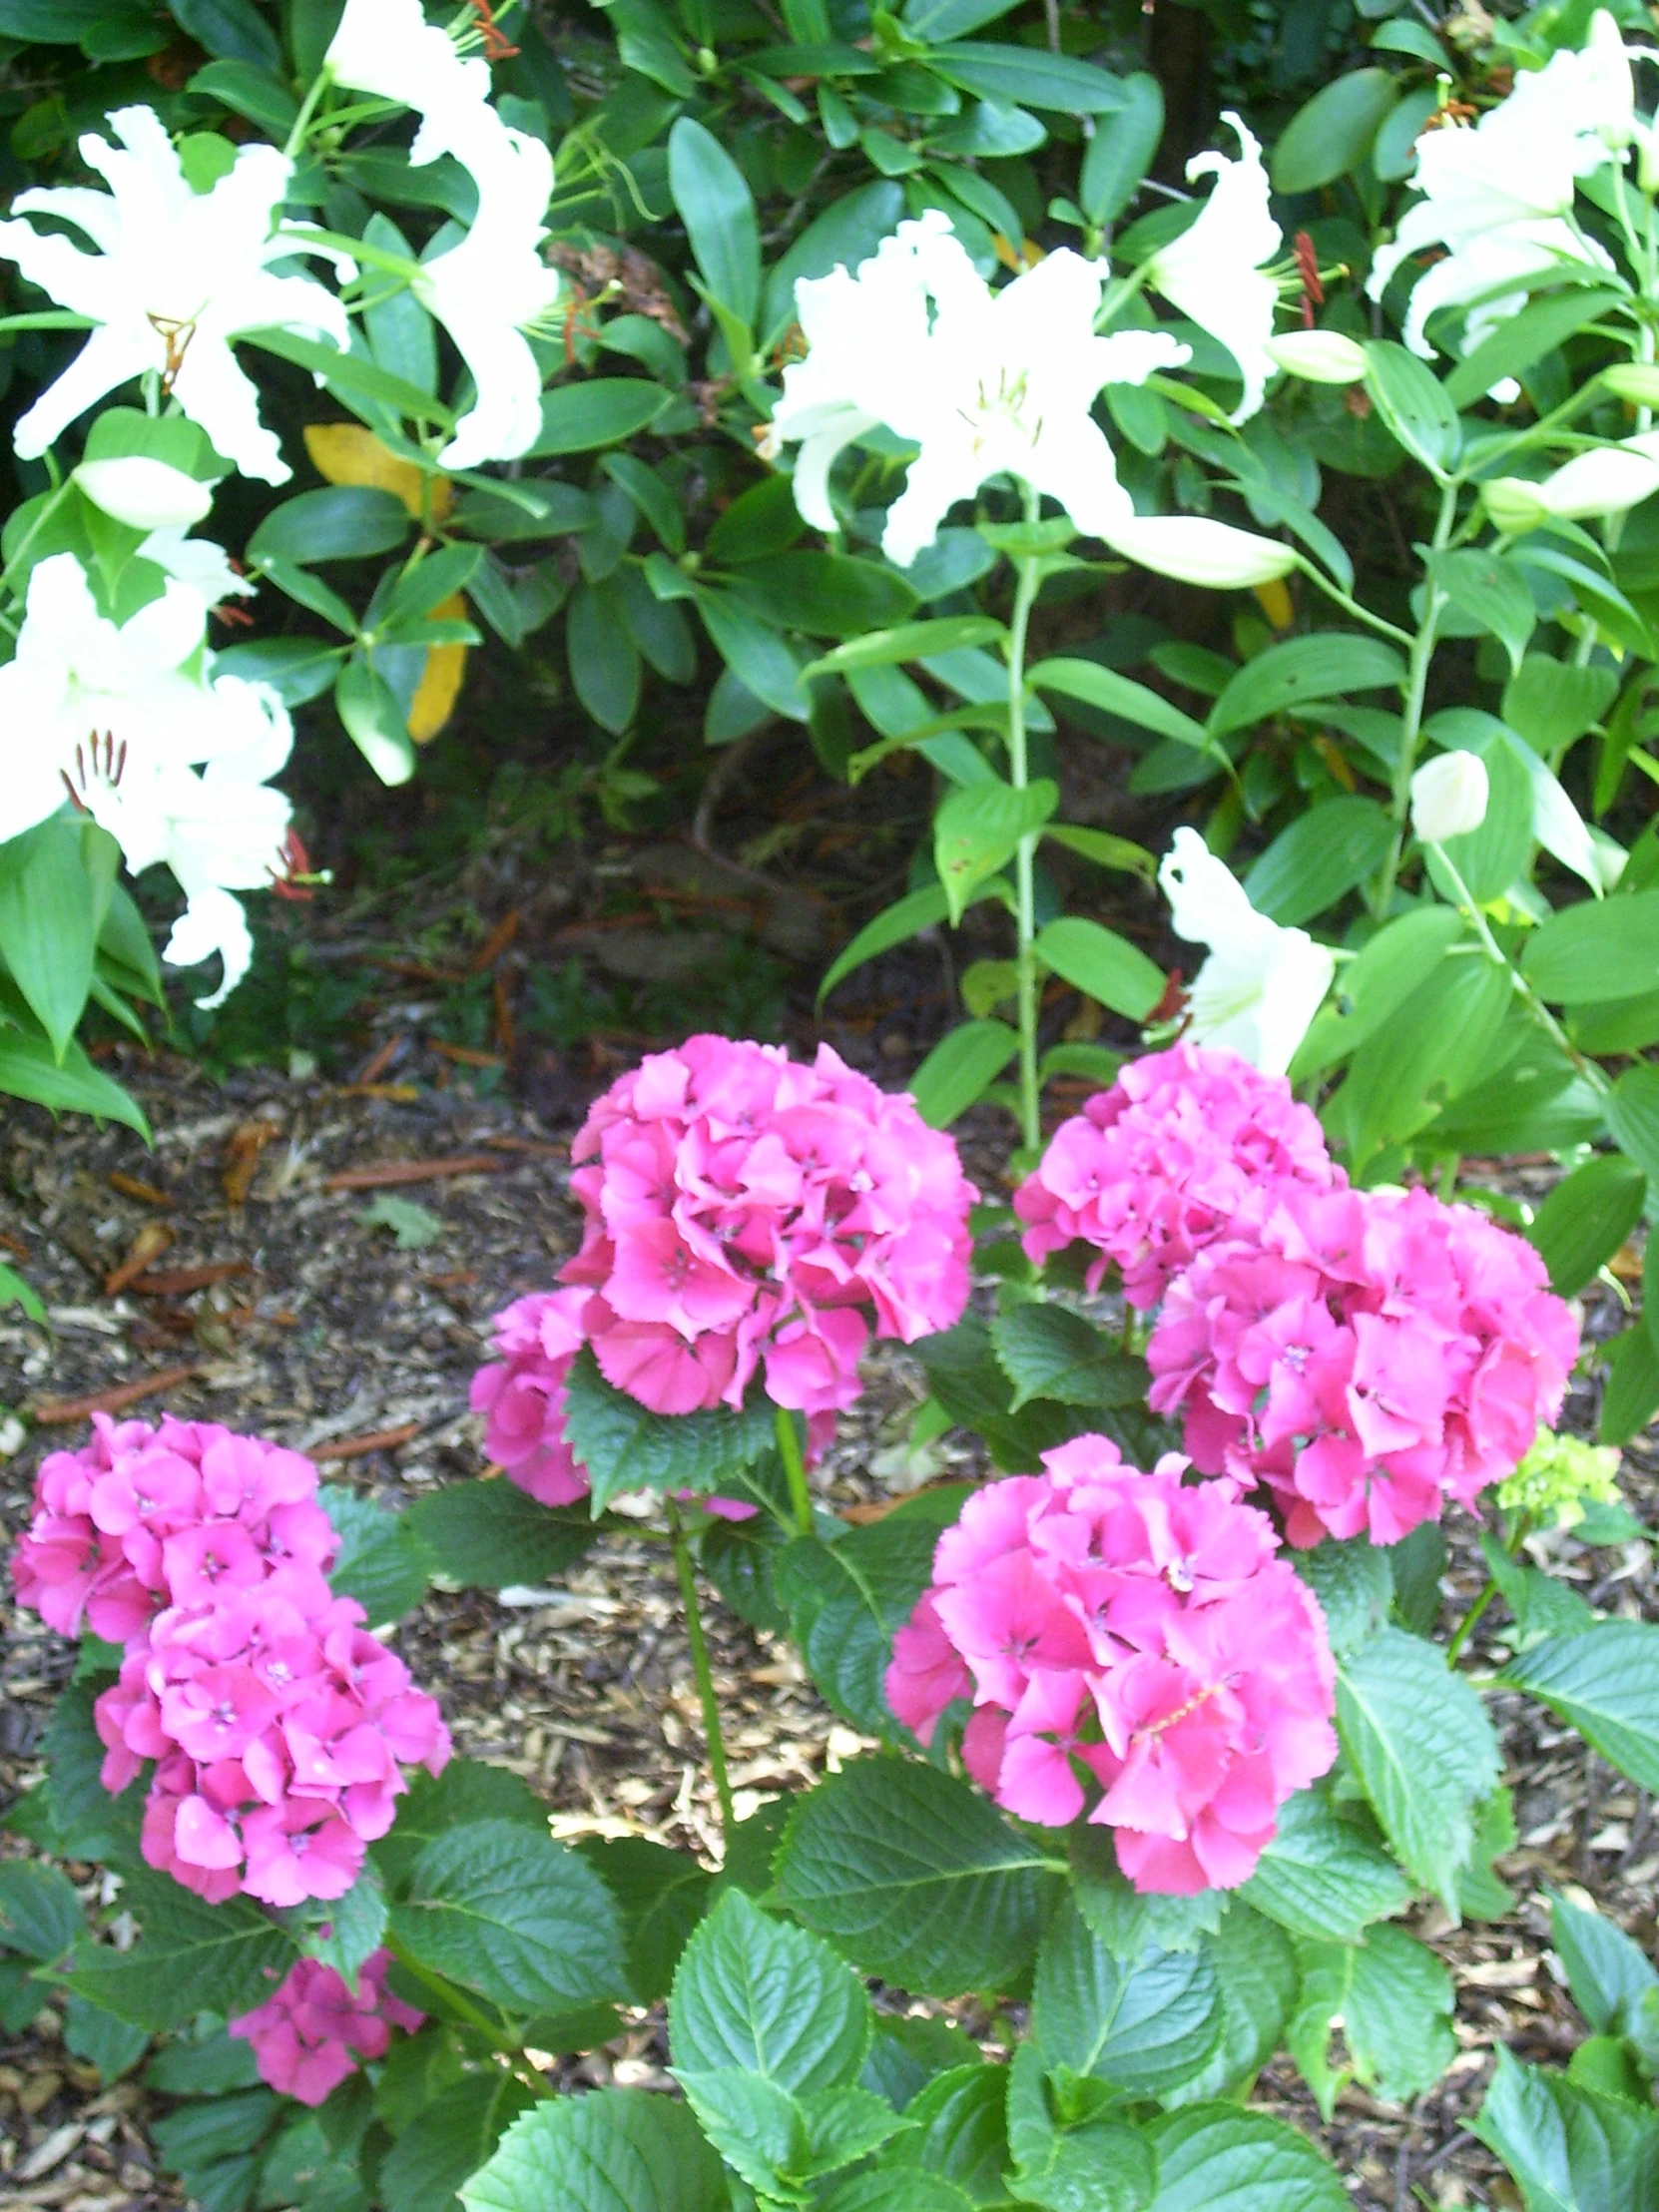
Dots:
{"x": 795, "y": 1469}
{"x": 1025, "y": 896}
{"x": 687, "y": 1572}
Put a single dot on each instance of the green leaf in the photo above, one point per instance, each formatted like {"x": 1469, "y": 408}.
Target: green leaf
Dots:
{"x": 1255, "y": 1966}
{"x": 1391, "y": 1999}
{"x": 1599, "y": 949}
{"x": 661, "y": 1894}
{"x": 845, "y": 233}
{"x": 758, "y": 2128}
{"x": 1631, "y": 1394}
{"x": 1320, "y": 857}
{"x": 1633, "y": 1115}
{"x": 489, "y": 1534}
{"x": 368, "y": 706}
{"x": 977, "y": 829}
{"x": 466, "y": 1793}
{"x": 1605, "y": 1683}
{"x": 601, "y": 411}
{"x": 757, "y": 656}
{"x": 1421, "y": 1746}
{"x": 1331, "y": 135}
{"x": 1121, "y": 696}
{"x": 1026, "y": 77}
{"x": 1435, "y": 1044}
{"x": 40, "y": 1915}
{"x": 614, "y": 2150}
{"x": 1523, "y": 338}
{"x": 15, "y": 1291}
{"x": 1586, "y": 1219}
{"x": 30, "y": 1069}
{"x": 1490, "y": 858}
{"x": 896, "y": 2192}
{"x": 905, "y": 918}
{"x": 384, "y": 1562}
{"x": 751, "y": 1991}
{"x": 512, "y": 1914}
{"x": 912, "y": 641}
{"x": 1353, "y": 1585}
{"x": 604, "y": 660}
{"x": 1120, "y": 152}
{"x": 248, "y": 90}
{"x": 717, "y": 210}
{"x": 1129, "y": 1920}
{"x": 827, "y": 595}
{"x": 1050, "y": 1352}
{"x": 957, "y": 2130}
{"x": 48, "y": 920}
{"x": 337, "y": 522}
{"x": 1323, "y": 1873}
{"x": 1102, "y": 966}
{"x": 441, "y": 2150}
{"x": 1330, "y": 665}
{"x": 1542, "y": 1605}
{"x": 651, "y": 495}
{"x": 1552, "y": 704}
{"x": 113, "y": 2046}
{"x": 1105, "y": 851}
{"x": 1143, "y": 2026}
{"x": 1570, "y": 2148}
{"x": 86, "y": 1821}
{"x": 189, "y": 1957}
{"x": 960, "y": 1068}
{"x": 1608, "y": 1975}
{"x": 624, "y": 1447}
{"x": 232, "y": 27}
{"x": 1412, "y": 402}
{"x": 915, "y": 1877}
{"x": 1492, "y": 590}
{"x": 846, "y": 1600}
{"x": 1401, "y": 956}
{"x": 1217, "y": 2158}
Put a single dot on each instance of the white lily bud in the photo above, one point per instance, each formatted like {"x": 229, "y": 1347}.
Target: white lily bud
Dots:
{"x": 1449, "y": 797}
{"x": 1319, "y": 356}
{"x": 1636, "y": 381}
{"x": 1194, "y": 551}
{"x": 1514, "y": 504}
{"x": 145, "y": 494}
{"x": 1605, "y": 480}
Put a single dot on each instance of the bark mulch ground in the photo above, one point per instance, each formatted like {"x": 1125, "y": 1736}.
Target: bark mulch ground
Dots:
{"x": 315, "y": 1328}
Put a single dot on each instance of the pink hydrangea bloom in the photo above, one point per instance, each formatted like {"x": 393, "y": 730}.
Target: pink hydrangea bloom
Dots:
{"x": 523, "y": 1394}
{"x": 1157, "y": 1167}
{"x": 277, "y": 1726}
{"x": 1132, "y": 1648}
{"x": 1367, "y": 1355}
{"x": 314, "y": 2030}
{"x": 747, "y": 1212}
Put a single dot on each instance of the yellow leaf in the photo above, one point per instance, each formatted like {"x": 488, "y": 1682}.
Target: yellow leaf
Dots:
{"x": 346, "y": 453}
{"x": 441, "y": 679}
{"x": 1275, "y": 602}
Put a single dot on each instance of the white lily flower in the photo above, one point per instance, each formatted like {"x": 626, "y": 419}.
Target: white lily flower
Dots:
{"x": 1261, "y": 985}
{"x": 388, "y": 46}
{"x": 487, "y": 291}
{"x": 146, "y": 494}
{"x": 1212, "y": 273}
{"x": 197, "y": 562}
{"x": 1499, "y": 197}
{"x": 1195, "y": 550}
{"x": 1450, "y": 795}
{"x": 996, "y": 384}
{"x": 177, "y": 276}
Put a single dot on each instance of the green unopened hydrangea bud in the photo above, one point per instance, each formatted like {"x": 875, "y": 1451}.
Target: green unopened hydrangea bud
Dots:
{"x": 1555, "y": 1478}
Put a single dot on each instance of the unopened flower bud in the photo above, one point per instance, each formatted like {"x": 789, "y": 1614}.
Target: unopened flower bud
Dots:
{"x": 1449, "y": 797}
{"x": 146, "y": 494}
{"x": 1603, "y": 480}
{"x": 1635, "y": 381}
{"x": 1514, "y": 504}
{"x": 1319, "y": 356}
{"x": 1194, "y": 551}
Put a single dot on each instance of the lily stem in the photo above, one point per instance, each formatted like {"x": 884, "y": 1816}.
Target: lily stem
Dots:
{"x": 687, "y": 1573}
{"x": 1417, "y": 687}
{"x": 1025, "y": 896}
{"x": 795, "y": 1469}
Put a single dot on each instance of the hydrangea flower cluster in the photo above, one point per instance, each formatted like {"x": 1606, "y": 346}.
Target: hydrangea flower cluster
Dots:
{"x": 742, "y": 1207}
{"x": 276, "y": 1720}
{"x": 1154, "y": 1169}
{"x": 522, "y": 1393}
{"x": 1136, "y": 1630}
{"x": 315, "y": 2030}
{"x": 1367, "y": 1354}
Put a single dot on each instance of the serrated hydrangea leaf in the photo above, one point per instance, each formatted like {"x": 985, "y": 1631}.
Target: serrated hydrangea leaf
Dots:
{"x": 617, "y": 2150}
{"x": 1255, "y": 1981}
{"x": 1392, "y": 2000}
{"x": 844, "y": 2124}
{"x": 1354, "y": 1586}
{"x": 915, "y": 1877}
{"x": 345, "y": 1931}
{"x": 1126, "y": 1919}
{"x": 959, "y": 2128}
{"x": 1421, "y": 1744}
{"x": 909, "y": 2054}
{"x": 486, "y": 1535}
{"x": 756, "y": 1993}
{"x": 756, "y": 2126}
{"x": 1605, "y": 1683}
{"x": 897, "y": 2192}
{"x": 191, "y": 1957}
{"x": 624, "y": 1447}
{"x": 1323, "y": 1875}
{"x": 1570, "y": 2148}
{"x": 846, "y": 1601}
{"x": 40, "y": 1915}
{"x": 448, "y": 2141}
{"x": 1483, "y": 1894}
{"x": 467, "y": 1790}
{"x": 514, "y": 1914}
{"x": 1217, "y": 2158}
{"x": 384, "y": 1562}
{"x": 88, "y": 1823}
{"x": 1101, "y": 2166}
{"x": 113, "y": 2046}
{"x": 1608, "y": 1975}
{"x": 662, "y": 1896}
{"x": 1143, "y": 2026}
{"x": 1050, "y": 1352}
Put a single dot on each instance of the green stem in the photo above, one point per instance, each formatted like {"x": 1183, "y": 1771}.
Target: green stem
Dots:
{"x": 50, "y": 508}
{"x": 795, "y": 1469}
{"x": 1534, "y": 1005}
{"x": 303, "y": 121}
{"x": 687, "y": 1573}
{"x": 1467, "y": 1625}
{"x": 455, "y": 1999}
{"x": 1417, "y": 687}
{"x": 1351, "y": 606}
{"x": 1025, "y": 854}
